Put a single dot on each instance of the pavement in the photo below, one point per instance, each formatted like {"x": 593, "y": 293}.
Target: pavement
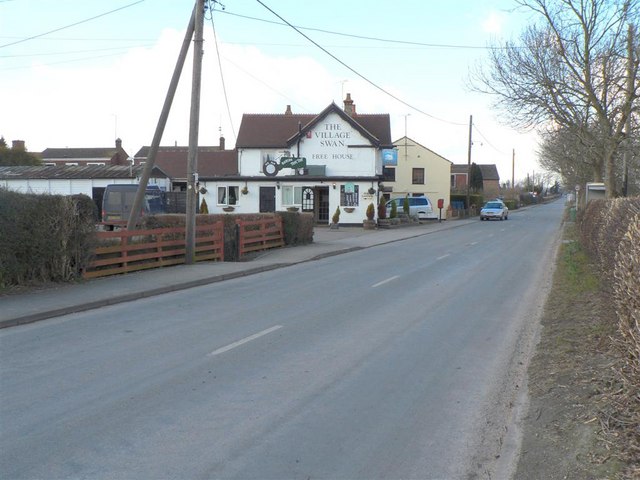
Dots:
{"x": 32, "y": 305}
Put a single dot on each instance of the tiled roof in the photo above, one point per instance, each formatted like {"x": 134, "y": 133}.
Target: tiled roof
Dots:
{"x": 281, "y": 130}
{"x": 70, "y": 153}
{"x": 489, "y": 171}
{"x": 212, "y": 162}
{"x": 73, "y": 172}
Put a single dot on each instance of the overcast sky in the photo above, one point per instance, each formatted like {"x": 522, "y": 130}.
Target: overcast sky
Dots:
{"x": 101, "y": 70}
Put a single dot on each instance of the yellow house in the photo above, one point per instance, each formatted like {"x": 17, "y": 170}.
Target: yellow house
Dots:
{"x": 417, "y": 171}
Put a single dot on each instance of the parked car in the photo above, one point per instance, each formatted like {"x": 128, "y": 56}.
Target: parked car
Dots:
{"x": 494, "y": 209}
{"x": 420, "y": 207}
{"x": 118, "y": 200}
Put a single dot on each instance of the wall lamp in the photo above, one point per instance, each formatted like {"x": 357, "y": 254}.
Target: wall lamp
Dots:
{"x": 278, "y": 185}
{"x": 334, "y": 185}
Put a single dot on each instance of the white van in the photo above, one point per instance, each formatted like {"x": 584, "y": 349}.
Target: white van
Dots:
{"x": 420, "y": 207}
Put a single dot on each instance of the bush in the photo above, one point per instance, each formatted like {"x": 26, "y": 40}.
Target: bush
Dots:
{"x": 336, "y": 216}
{"x": 371, "y": 211}
{"x": 382, "y": 208}
{"x": 511, "y": 204}
{"x": 44, "y": 238}
{"x": 298, "y": 227}
{"x": 610, "y": 231}
{"x": 394, "y": 210}
{"x": 405, "y": 205}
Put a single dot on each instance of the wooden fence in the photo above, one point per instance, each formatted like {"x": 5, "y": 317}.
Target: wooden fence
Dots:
{"x": 255, "y": 235}
{"x": 128, "y": 251}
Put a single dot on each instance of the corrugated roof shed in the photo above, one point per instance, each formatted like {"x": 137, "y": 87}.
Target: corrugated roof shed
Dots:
{"x": 73, "y": 172}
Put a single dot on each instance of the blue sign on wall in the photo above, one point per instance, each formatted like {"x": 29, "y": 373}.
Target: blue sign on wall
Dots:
{"x": 389, "y": 157}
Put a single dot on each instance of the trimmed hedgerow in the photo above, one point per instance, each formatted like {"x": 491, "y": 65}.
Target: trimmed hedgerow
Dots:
{"x": 44, "y": 238}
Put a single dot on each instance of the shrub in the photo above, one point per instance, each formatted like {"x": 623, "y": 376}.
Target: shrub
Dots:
{"x": 394, "y": 210}
{"x": 204, "y": 208}
{"x": 44, "y": 238}
{"x": 405, "y": 205}
{"x": 371, "y": 211}
{"x": 382, "y": 208}
{"x": 298, "y": 227}
{"x": 336, "y": 216}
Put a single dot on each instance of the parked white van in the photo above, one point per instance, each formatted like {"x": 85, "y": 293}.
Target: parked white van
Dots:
{"x": 420, "y": 207}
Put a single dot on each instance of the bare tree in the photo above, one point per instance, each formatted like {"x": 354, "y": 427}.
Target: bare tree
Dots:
{"x": 572, "y": 71}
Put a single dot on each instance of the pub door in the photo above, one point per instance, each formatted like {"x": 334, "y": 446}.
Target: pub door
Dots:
{"x": 267, "y": 199}
{"x": 322, "y": 205}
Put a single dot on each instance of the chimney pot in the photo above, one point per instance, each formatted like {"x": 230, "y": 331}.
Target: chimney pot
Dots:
{"x": 349, "y": 106}
{"x": 288, "y": 110}
{"x": 222, "y": 146}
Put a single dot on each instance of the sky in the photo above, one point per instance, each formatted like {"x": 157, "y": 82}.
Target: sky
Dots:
{"x": 80, "y": 73}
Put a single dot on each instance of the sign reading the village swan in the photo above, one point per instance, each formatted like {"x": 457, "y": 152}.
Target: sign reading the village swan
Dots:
{"x": 334, "y": 137}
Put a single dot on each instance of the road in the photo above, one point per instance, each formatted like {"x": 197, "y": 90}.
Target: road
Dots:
{"x": 403, "y": 360}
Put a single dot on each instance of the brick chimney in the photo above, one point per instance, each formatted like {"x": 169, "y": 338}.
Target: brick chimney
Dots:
{"x": 288, "y": 110}
{"x": 118, "y": 144}
{"x": 349, "y": 106}
{"x": 221, "y": 147}
{"x": 17, "y": 145}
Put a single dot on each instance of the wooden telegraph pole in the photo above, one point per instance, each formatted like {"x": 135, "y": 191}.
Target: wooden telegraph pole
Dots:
{"x": 195, "y": 32}
{"x": 469, "y": 166}
{"x": 162, "y": 122}
{"x": 194, "y": 126}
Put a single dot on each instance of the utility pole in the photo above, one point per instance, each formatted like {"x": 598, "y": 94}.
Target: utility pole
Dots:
{"x": 194, "y": 125}
{"x": 513, "y": 169}
{"x": 162, "y": 122}
{"x": 469, "y": 166}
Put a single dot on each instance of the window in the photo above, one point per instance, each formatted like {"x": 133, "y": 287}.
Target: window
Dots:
{"x": 389, "y": 174}
{"x": 417, "y": 176}
{"x": 228, "y": 195}
{"x": 291, "y": 195}
{"x": 349, "y": 195}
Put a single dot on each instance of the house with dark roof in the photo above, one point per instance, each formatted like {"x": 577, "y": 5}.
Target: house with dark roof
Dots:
{"x": 490, "y": 179}
{"x": 310, "y": 162}
{"x": 101, "y": 156}
{"x": 213, "y": 161}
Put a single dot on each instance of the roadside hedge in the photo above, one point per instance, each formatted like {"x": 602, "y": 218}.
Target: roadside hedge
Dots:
{"x": 44, "y": 238}
{"x": 610, "y": 231}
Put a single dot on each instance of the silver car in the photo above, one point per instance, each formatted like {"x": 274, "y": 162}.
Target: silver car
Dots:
{"x": 494, "y": 209}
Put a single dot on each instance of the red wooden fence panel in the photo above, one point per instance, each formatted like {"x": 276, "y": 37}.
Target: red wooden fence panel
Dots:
{"x": 128, "y": 251}
{"x": 255, "y": 235}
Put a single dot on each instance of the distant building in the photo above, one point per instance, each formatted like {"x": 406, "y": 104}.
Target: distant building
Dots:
{"x": 490, "y": 180}
{"x": 417, "y": 171}
{"x": 106, "y": 156}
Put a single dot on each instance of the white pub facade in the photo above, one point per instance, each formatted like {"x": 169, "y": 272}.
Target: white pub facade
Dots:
{"x": 312, "y": 163}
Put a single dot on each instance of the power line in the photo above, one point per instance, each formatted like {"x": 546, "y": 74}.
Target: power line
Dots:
{"x": 487, "y": 141}
{"x": 224, "y": 88}
{"x": 362, "y": 37}
{"x": 71, "y": 25}
{"x": 370, "y": 82}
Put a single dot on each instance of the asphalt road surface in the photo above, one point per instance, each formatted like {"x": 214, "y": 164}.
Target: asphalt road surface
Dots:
{"x": 398, "y": 361}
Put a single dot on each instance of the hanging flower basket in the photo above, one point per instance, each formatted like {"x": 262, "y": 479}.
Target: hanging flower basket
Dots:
{"x": 349, "y": 209}
{"x": 228, "y": 209}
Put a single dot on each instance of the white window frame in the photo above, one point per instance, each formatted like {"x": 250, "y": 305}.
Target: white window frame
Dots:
{"x": 227, "y": 189}
{"x": 291, "y": 193}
